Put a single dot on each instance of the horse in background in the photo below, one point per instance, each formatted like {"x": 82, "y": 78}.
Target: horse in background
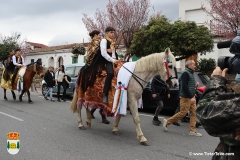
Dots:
{"x": 31, "y": 70}
{"x": 145, "y": 68}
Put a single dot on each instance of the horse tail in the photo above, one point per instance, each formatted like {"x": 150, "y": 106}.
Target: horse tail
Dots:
{"x": 73, "y": 106}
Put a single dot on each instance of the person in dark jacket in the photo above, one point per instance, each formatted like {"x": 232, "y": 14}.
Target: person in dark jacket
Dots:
{"x": 49, "y": 78}
{"x": 159, "y": 91}
{"x": 219, "y": 113}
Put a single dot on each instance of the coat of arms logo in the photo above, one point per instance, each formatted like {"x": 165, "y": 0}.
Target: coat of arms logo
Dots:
{"x": 13, "y": 142}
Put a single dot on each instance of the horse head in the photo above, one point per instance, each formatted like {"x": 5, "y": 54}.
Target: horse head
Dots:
{"x": 170, "y": 68}
{"x": 39, "y": 68}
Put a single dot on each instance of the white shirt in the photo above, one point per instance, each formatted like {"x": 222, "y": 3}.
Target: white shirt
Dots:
{"x": 59, "y": 76}
{"x": 14, "y": 59}
{"x": 103, "y": 46}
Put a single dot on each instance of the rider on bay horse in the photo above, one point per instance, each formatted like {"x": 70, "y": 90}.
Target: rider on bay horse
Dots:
{"x": 9, "y": 67}
{"x": 18, "y": 62}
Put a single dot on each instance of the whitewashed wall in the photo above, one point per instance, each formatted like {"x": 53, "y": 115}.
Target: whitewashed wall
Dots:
{"x": 52, "y": 58}
{"x": 190, "y": 10}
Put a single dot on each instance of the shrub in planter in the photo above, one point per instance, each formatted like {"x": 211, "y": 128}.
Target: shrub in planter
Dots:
{"x": 78, "y": 49}
{"x": 206, "y": 65}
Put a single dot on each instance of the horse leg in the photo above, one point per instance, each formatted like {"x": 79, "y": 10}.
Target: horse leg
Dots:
{"x": 80, "y": 124}
{"x": 13, "y": 94}
{"x": 115, "y": 125}
{"x": 20, "y": 96}
{"x": 5, "y": 97}
{"x": 134, "y": 110}
{"x": 29, "y": 99}
{"x": 89, "y": 117}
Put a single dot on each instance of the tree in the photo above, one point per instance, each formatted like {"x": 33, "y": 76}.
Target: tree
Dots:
{"x": 9, "y": 43}
{"x": 206, "y": 65}
{"x": 225, "y": 17}
{"x": 125, "y": 17}
{"x": 184, "y": 38}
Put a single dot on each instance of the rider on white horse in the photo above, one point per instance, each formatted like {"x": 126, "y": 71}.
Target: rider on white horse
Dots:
{"x": 18, "y": 62}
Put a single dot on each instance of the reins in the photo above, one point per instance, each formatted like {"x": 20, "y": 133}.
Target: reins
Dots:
{"x": 138, "y": 78}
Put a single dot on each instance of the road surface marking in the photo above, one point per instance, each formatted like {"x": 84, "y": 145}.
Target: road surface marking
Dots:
{"x": 11, "y": 116}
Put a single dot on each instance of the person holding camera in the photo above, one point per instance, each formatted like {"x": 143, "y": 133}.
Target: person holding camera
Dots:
{"x": 219, "y": 114}
{"x": 159, "y": 91}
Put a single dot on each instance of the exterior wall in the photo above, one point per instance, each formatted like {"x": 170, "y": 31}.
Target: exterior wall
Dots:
{"x": 190, "y": 10}
{"x": 52, "y": 58}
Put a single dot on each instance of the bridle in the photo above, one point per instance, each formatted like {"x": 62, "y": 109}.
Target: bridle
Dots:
{"x": 135, "y": 77}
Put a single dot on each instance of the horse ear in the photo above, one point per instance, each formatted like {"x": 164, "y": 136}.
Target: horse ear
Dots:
{"x": 167, "y": 51}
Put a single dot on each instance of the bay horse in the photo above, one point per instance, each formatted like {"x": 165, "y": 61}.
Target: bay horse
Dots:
{"x": 31, "y": 70}
{"x": 145, "y": 68}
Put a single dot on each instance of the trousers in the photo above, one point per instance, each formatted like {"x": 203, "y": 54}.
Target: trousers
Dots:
{"x": 110, "y": 74}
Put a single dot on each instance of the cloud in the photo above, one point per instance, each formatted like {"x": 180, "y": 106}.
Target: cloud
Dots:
{"x": 56, "y": 22}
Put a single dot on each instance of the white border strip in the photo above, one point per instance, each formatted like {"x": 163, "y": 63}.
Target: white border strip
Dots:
{"x": 11, "y": 116}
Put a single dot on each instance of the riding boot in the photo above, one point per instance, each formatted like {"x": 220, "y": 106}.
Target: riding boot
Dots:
{"x": 92, "y": 112}
{"x": 104, "y": 119}
{"x": 105, "y": 98}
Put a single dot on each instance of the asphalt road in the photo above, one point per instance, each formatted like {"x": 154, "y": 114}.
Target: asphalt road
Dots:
{"x": 49, "y": 131}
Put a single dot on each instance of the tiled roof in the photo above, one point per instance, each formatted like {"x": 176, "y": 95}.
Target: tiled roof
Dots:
{"x": 53, "y": 48}
{"x": 37, "y": 45}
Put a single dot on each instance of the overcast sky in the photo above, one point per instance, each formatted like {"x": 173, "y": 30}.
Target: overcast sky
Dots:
{"x": 58, "y": 22}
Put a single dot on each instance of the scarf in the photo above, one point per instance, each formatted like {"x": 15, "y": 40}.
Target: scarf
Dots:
{"x": 94, "y": 66}
{"x": 92, "y": 51}
{"x": 112, "y": 46}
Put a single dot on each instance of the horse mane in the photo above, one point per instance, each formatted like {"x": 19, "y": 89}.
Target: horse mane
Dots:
{"x": 151, "y": 62}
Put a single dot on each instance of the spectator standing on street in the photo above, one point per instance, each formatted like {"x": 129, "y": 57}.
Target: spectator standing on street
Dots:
{"x": 159, "y": 91}
{"x": 59, "y": 79}
{"x": 49, "y": 78}
{"x": 187, "y": 99}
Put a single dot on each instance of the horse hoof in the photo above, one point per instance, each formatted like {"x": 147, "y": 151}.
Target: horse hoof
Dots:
{"x": 88, "y": 124}
{"x": 82, "y": 128}
{"x": 30, "y": 102}
{"x": 20, "y": 100}
{"x": 145, "y": 143}
{"x": 5, "y": 98}
{"x": 116, "y": 133}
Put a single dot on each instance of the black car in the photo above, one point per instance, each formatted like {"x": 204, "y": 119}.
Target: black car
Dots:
{"x": 172, "y": 102}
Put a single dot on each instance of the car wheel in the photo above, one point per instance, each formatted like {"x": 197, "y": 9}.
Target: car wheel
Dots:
{"x": 44, "y": 89}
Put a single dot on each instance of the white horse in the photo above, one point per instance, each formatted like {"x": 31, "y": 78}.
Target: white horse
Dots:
{"x": 145, "y": 68}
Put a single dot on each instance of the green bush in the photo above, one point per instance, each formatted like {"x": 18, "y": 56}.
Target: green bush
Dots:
{"x": 206, "y": 65}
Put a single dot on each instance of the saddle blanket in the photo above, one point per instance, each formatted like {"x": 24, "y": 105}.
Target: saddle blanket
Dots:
{"x": 120, "y": 97}
{"x": 21, "y": 73}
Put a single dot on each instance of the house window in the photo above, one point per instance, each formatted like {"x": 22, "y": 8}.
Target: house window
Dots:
{"x": 74, "y": 60}
{"x": 32, "y": 60}
{"x": 40, "y": 59}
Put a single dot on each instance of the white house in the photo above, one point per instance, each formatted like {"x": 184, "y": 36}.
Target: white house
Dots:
{"x": 190, "y": 10}
{"x": 55, "y": 55}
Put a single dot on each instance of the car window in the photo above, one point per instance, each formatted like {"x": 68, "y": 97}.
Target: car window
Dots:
{"x": 77, "y": 70}
{"x": 69, "y": 71}
{"x": 204, "y": 78}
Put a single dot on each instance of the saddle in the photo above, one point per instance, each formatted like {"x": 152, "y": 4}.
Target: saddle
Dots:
{"x": 20, "y": 74}
{"x": 92, "y": 98}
